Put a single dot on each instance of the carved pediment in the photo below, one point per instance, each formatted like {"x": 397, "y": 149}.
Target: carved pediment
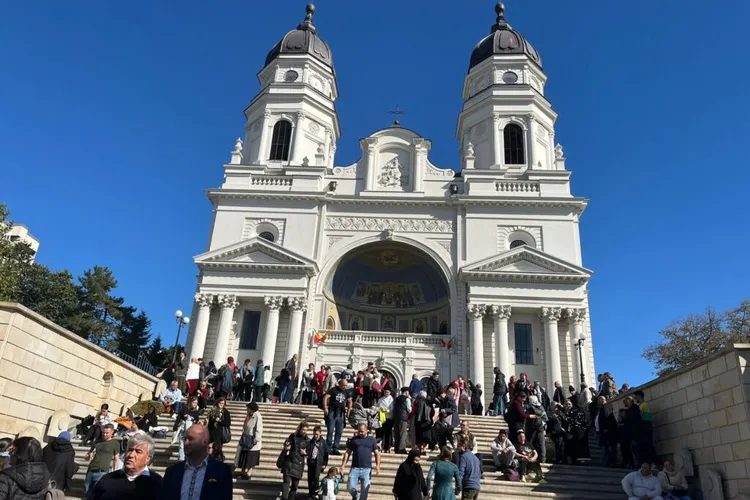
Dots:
{"x": 257, "y": 253}
{"x": 525, "y": 264}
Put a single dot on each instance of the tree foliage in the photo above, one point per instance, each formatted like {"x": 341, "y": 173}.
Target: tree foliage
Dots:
{"x": 87, "y": 306}
{"x": 696, "y": 336}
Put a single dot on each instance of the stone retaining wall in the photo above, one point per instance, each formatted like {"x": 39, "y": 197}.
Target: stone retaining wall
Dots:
{"x": 48, "y": 373}
{"x": 706, "y": 408}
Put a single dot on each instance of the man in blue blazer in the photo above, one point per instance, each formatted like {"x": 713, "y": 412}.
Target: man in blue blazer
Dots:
{"x": 199, "y": 477}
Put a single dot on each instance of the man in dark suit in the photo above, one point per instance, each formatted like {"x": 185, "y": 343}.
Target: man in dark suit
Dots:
{"x": 198, "y": 477}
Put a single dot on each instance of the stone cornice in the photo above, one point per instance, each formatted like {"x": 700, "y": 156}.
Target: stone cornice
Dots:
{"x": 577, "y": 205}
{"x": 256, "y": 266}
{"x": 519, "y": 277}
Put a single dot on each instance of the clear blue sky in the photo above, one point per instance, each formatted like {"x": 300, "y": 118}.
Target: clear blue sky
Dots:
{"x": 115, "y": 117}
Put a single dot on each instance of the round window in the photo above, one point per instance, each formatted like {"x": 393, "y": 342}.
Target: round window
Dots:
{"x": 517, "y": 243}
{"x": 267, "y": 235}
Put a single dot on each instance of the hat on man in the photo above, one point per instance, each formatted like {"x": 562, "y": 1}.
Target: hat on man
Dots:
{"x": 105, "y": 406}
{"x": 64, "y": 435}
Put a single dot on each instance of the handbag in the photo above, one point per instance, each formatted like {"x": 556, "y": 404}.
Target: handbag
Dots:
{"x": 283, "y": 457}
{"x": 247, "y": 441}
{"x": 226, "y": 434}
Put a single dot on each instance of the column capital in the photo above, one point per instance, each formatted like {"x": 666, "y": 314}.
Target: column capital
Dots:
{"x": 475, "y": 311}
{"x": 227, "y": 301}
{"x": 297, "y": 303}
{"x": 273, "y": 303}
{"x": 267, "y": 114}
{"x": 204, "y": 299}
{"x": 496, "y": 117}
{"x": 301, "y": 116}
{"x": 577, "y": 315}
{"x": 500, "y": 312}
{"x": 551, "y": 314}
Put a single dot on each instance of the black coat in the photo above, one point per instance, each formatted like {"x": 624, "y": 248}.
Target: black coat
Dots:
{"x": 60, "y": 459}
{"x": 410, "y": 483}
{"x": 432, "y": 387}
{"x": 295, "y": 463}
{"x": 24, "y": 482}
{"x": 116, "y": 486}
{"x": 500, "y": 387}
{"x": 215, "y": 425}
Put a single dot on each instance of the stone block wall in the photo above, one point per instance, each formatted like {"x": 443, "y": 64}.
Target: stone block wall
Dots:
{"x": 706, "y": 408}
{"x": 45, "y": 369}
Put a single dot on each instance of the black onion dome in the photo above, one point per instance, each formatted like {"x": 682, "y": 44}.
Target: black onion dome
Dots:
{"x": 503, "y": 40}
{"x": 303, "y": 40}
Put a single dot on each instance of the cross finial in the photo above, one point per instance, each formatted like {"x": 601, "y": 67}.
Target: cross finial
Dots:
{"x": 397, "y": 111}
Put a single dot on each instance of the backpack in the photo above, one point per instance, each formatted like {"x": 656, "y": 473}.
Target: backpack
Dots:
{"x": 511, "y": 475}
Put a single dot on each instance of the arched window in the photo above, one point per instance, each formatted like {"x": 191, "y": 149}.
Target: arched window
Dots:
{"x": 514, "y": 150}
{"x": 281, "y": 141}
{"x": 517, "y": 243}
{"x": 267, "y": 235}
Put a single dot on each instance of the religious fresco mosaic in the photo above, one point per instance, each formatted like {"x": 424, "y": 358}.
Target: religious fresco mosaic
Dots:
{"x": 388, "y": 287}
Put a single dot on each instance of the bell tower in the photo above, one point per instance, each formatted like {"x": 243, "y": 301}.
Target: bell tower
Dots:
{"x": 506, "y": 125}
{"x": 293, "y": 120}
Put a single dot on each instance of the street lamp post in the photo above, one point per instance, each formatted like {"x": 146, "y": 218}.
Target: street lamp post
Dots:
{"x": 579, "y": 346}
{"x": 181, "y": 321}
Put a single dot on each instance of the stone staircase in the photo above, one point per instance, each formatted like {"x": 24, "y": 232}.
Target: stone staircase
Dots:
{"x": 563, "y": 481}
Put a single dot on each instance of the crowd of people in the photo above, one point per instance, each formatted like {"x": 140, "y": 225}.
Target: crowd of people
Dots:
{"x": 411, "y": 420}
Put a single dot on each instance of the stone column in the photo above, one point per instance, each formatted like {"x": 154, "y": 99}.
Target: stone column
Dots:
{"x": 550, "y": 316}
{"x": 227, "y": 303}
{"x": 497, "y": 137}
{"x": 298, "y": 305}
{"x": 531, "y": 139}
{"x": 420, "y": 163}
{"x": 263, "y": 145}
{"x": 198, "y": 344}
{"x": 298, "y": 135}
{"x": 476, "y": 315}
{"x": 501, "y": 314}
{"x": 273, "y": 306}
{"x": 577, "y": 317}
{"x": 368, "y": 144}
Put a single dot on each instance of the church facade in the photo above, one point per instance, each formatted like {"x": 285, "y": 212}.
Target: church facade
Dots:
{"x": 395, "y": 260}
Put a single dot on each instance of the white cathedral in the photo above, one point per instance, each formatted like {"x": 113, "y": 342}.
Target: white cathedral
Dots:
{"x": 394, "y": 260}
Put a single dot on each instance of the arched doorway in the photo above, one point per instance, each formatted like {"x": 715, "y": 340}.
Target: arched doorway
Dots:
{"x": 388, "y": 286}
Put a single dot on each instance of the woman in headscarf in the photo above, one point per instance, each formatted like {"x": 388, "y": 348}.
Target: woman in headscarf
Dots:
{"x": 422, "y": 422}
{"x": 410, "y": 483}
{"x": 249, "y": 458}
{"x": 512, "y": 388}
{"x": 524, "y": 384}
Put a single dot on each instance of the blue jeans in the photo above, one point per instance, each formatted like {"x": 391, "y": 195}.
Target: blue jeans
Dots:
{"x": 284, "y": 393}
{"x": 361, "y": 476}
{"x": 334, "y": 424}
{"x": 91, "y": 479}
{"x": 498, "y": 405}
{"x": 176, "y": 407}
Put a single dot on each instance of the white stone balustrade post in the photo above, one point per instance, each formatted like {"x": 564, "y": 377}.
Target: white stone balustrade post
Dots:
{"x": 550, "y": 317}
{"x": 273, "y": 308}
{"x": 476, "y": 315}
{"x": 531, "y": 142}
{"x": 227, "y": 303}
{"x": 298, "y": 305}
{"x": 501, "y": 315}
{"x": 198, "y": 343}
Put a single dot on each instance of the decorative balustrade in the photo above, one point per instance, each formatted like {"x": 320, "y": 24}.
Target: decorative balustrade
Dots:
{"x": 517, "y": 187}
{"x": 384, "y": 338}
{"x": 271, "y": 182}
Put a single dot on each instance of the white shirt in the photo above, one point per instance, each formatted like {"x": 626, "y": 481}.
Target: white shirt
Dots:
{"x": 193, "y": 371}
{"x": 194, "y": 477}
{"x": 636, "y": 484}
{"x": 144, "y": 472}
{"x": 387, "y": 403}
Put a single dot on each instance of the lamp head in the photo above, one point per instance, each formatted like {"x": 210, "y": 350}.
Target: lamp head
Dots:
{"x": 185, "y": 320}
{"x": 178, "y": 314}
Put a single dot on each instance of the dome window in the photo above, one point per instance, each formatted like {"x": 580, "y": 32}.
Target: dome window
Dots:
{"x": 267, "y": 235}
{"x": 514, "y": 150}
{"x": 517, "y": 243}
{"x": 281, "y": 141}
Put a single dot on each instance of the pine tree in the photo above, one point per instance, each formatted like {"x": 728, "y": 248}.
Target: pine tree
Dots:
{"x": 156, "y": 353}
{"x": 134, "y": 331}
{"x": 15, "y": 260}
{"x": 100, "y": 312}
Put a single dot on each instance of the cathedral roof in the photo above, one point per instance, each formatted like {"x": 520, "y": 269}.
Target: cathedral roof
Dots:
{"x": 503, "y": 40}
{"x": 303, "y": 40}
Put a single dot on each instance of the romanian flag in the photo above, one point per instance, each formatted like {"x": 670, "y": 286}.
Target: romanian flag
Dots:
{"x": 320, "y": 337}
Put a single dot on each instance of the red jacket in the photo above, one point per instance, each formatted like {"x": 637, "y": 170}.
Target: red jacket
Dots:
{"x": 318, "y": 382}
